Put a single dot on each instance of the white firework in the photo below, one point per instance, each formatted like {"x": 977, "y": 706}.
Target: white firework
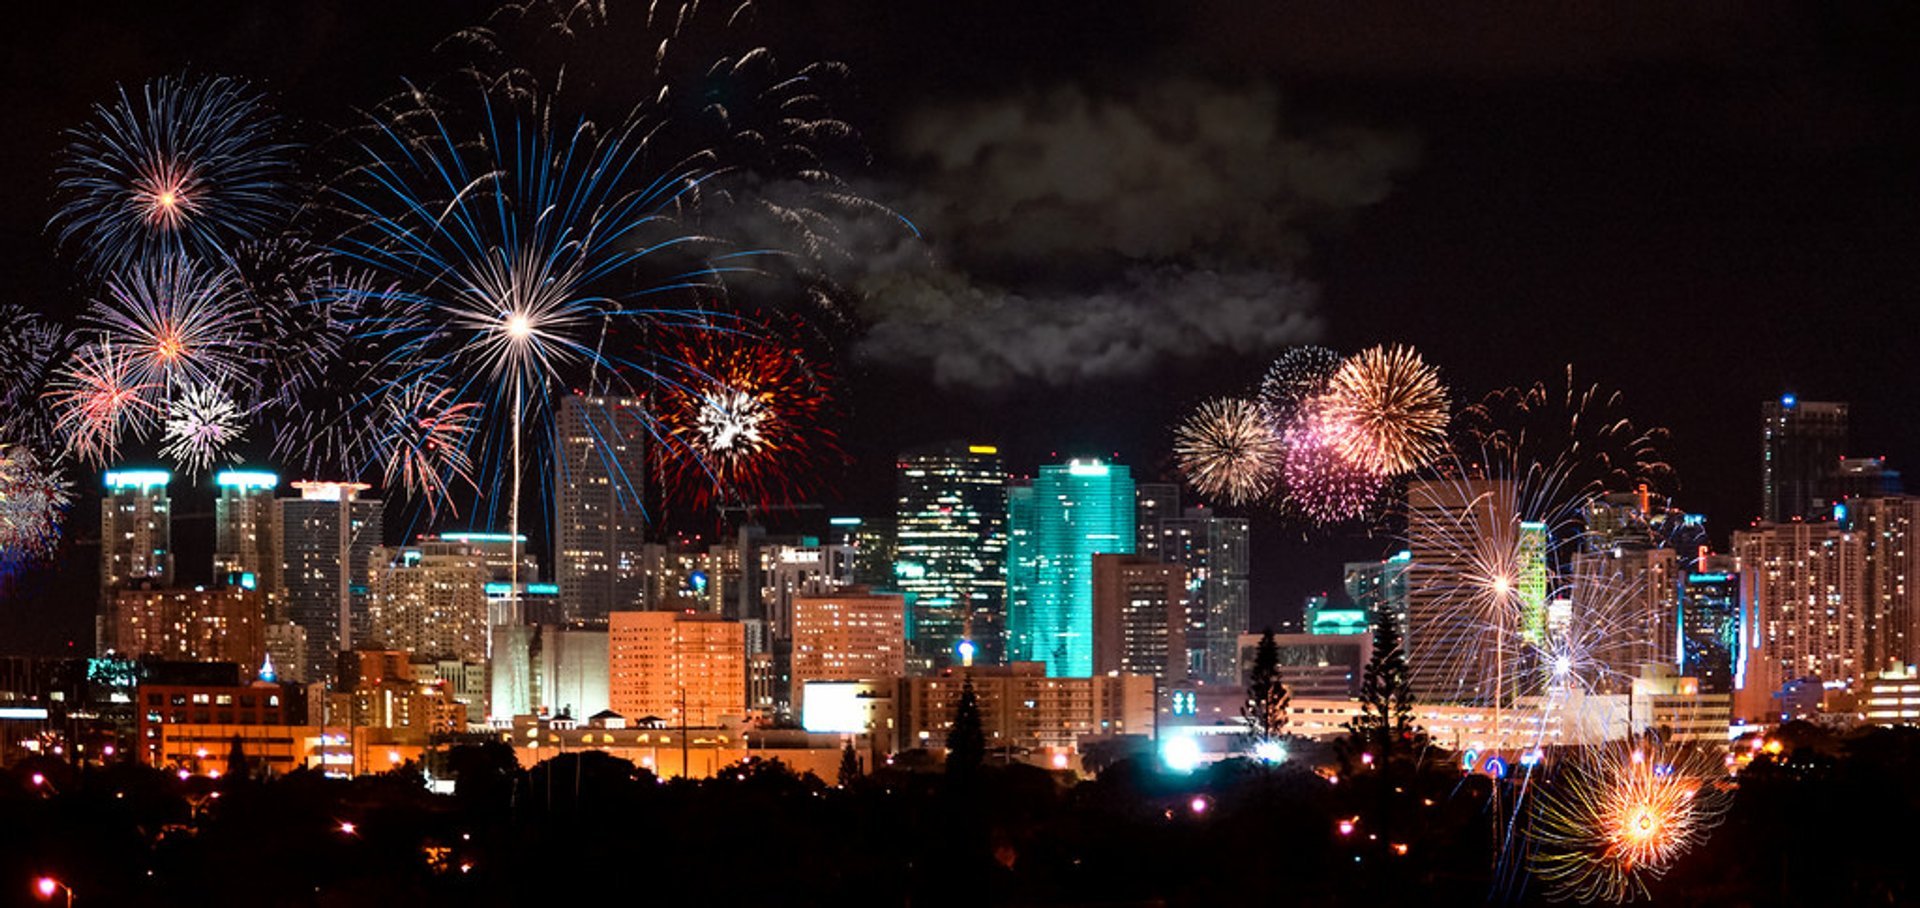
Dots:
{"x": 201, "y": 425}
{"x": 730, "y": 422}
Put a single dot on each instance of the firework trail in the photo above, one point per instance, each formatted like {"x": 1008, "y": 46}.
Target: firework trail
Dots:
{"x": 32, "y": 349}
{"x": 1229, "y": 451}
{"x": 1320, "y": 482}
{"x": 1394, "y": 408}
{"x": 1615, "y": 817}
{"x": 189, "y": 165}
{"x": 290, "y": 296}
{"x": 1300, "y": 375}
{"x": 177, "y": 322}
{"x": 744, "y": 417}
{"x": 33, "y": 503}
{"x": 201, "y": 425}
{"x": 422, "y": 442}
{"x": 1603, "y": 450}
{"x": 97, "y": 397}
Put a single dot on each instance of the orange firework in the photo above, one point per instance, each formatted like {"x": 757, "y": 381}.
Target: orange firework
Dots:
{"x": 1394, "y": 409}
{"x": 1617, "y": 816}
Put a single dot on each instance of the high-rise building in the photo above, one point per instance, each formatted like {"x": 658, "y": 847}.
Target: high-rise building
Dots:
{"x": 950, "y": 548}
{"x": 600, "y": 484}
{"x": 1864, "y": 477}
{"x": 198, "y": 624}
{"x": 1070, "y": 513}
{"x": 847, "y": 635}
{"x": 1710, "y": 609}
{"x": 1805, "y": 615}
{"x": 1530, "y": 586}
{"x": 243, "y": 527}
{"x": 430, "y": 599}
{"x": 1139, "y": 617}
{"x": 677, "y": 667}
{"x": 1626, "y": 601}
{"x": 1153, "y": 502}
{"x": 1801, "y": 443}
{"x": 1214, "y": 552}
{"x": 136, "y": 531}
{"x": 1376, "y": 585}
{"x": 1883, "y": 533}
{"x": 314, "y": 590}
{"x": 1455, "y": 529}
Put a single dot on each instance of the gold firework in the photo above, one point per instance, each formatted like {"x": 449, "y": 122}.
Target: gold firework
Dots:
{"x": 1618, "y": 816}
{"x": 1229, "y": 450}
{"x": 1394, "y": 409}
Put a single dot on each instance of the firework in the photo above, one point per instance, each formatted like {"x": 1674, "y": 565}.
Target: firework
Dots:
{"x": 1321, "y": 483}
{"x": 1617, "y": 816}
{"x": 290, "y": 296}
{"x": 33, "y": 501}
{"x": 1298, "y": 376}
{"x": 188, "y": 165}
{"x": 32, "y": 348}
{"x": 176, "y": 320}
{"x": 422, "y": 445}
{"x": 96, "y": 398}
{"x": 744, "y": 415}
{"x": 1393, "y": 407}
{"x": 1228, "y": 450}
{"x": 1601, "y": 448}
{"x": 201, "y": 424}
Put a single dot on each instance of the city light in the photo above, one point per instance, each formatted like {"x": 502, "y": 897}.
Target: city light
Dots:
{"x": 141, "y": 480}
{"x": 246, "y": 479}
{"x": 1270, "y": 751}
{"x": 1180, "y": 753}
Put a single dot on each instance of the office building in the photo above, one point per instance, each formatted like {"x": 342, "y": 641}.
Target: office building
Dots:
{"x": 950, "y": 549}
{"x": 1882, "y": 554}
{"x": 314, "y": 591}
{"x": 1456, "y": 530}
{"x": 1626, "y": 609}
{"x": 1804, "y": 610}
{"x": 136, "y": 531}
{"x": 221, "y": 624}
{"x": 1710, "y": 612}
{"x": 1153, "y": 502}
{"x": 1214, "y": 552}
{"x": 1139, "y": 617}
{"x": 1324, "y": 666}
{"x": 1801, "y": 444}
{"x": 600, "y": 486}
{"x": 243, "y": 543}
{"x": 1023, "y": 706}
{"x": 849, "y": 634}
{"x": 1892, "y": 698}
{"x": 1070, "y": 513}
{"x": 1375, "y": 585}
{"x": 430, "y": 600}
{"x": 549, "y": 669}
{"x": 677, "y": 668}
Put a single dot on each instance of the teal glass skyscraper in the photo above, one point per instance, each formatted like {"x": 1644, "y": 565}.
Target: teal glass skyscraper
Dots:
{"x": 1070, "y": 513}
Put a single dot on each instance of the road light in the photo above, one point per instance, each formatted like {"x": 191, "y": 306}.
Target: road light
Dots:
{"x": 45, "y": 887}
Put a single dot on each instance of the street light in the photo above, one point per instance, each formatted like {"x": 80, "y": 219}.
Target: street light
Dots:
{"x": 46, "y": 886}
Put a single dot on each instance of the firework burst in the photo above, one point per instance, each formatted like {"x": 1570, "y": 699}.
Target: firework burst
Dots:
{"x": 1321, "y": 483}
{"x": 32, "y": 349}
{"x": 1394, "y": 409}
{"x": 423, "y": 440}
{"x": 744, "y": 416}
{"x": 177, "y": 321}
{"x": 1615, "y": 817}
{"x": 188, "y": 165}
{"x": 1582, "y": 426}
{"x": 1298, "y": 376}
{"x": 1228, "y": 450}
{"x": 201, "y": 424}
{"x": 96, "y": 398}
{"x": 33, "y": 502}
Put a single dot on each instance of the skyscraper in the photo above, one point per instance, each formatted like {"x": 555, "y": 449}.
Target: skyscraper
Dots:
{"x": 136, "y": 530}
{"x": 600, "y": 529}
{"x": 1214, "y": 552}
{"x": 847, "y": 635}
{"x": 950, "y": 545}
{"x": 243, "y": 527}
{"x": 1154, "y": 502}
{"x": 1139, "y": 617}
{"x": 430, "y": 599}
{"x": 1801, "y": 443}
{"x": 1376, "y": 585}
{"x": 1710, "y": 609}
{"x": 1804, "y": 609}
{"x": 677, "y": 667}
{"x": 314, "y": 592}
{"x": 1072, "y": 512}
{"x": 1884, "y": 553}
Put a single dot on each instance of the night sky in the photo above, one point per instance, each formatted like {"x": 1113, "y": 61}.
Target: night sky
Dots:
{"x": 1129, "y": 208}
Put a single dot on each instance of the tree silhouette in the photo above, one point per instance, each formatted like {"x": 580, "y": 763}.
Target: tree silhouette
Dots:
{"x": 1267, "y": 696}
{"x": 967, "y": 739}
{"x": 849, "y": 766}
{"x": 1386, "y": 697}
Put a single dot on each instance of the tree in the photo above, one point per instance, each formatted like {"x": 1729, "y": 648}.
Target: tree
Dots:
{"x": 849, "y": 765}
{"x": 1386, "y": 697}
{"x": 1267, "y": 696}
{"x": 967, "y": 739}
{"x": 238, "y": 769}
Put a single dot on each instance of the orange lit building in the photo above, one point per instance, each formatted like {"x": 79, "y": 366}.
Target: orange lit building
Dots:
{"x": 848, "y": 635}
{"x": 1023, "y": 708}
{"x": 223, "y": 624}
{"x": 163, "y": 706}
{"x": 663, "y": 662}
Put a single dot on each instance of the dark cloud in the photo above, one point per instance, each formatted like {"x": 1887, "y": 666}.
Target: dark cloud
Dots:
{"x": 1186, "y": 207}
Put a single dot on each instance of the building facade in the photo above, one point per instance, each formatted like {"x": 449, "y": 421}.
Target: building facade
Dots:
{"x": 430, "y": 599}
{"x": 243, "y": 542}
{"x": 1213, "y": 550}
{"x": 600, "y": 485}
{"x": 1070, "y": 513}
{"x": 950, "y": 549}
{"x": 847, "y": 635}
{"x": 677, "y": 667}
{"x": 1139, "y": 617}
{"x": 1804, "y": 610}
{"x": 1022, "y": 707}
{"x": 1801, "y": 443}
{"x": 136, "y": 532}
{"x": 315, "y": 588}
{"x": 198, "y": 624}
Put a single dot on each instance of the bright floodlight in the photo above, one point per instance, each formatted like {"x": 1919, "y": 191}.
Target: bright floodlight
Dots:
{"x": 1181, "y": 753}
{"x": 1270, "y": 751}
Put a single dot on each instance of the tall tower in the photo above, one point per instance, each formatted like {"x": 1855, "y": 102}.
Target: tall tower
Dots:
{"x": 1458, "y": 533}
{"x": 600, "y": 531}
{"x": 243, "y": 527}
{"x": 1214, "y": 552}
{"x": 326, "y": 598}
{"x": 1805, "y": 604}
{"x": 136, "y": 531}
{"x": 950, "y": 545}
{"x": 1801, "y": 443}
{"x": 1710, "y": 611}
{"x": 1139, "y": 617}
{"x": 1154, "y": 502}
{"x": 1074, "y": 511}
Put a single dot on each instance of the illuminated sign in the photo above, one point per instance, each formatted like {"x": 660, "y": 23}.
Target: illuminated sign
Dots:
{"x": 23, "y": 712}
{"x": 138, "y": 479}
{"x": 844, "y": 521}
{"x": 1186, "y": 703}
{"x": 982, "y": 449}
{"x": 245, "y": 479}
{"x": 835, "y": 707}
{"x": 1788, "y": 400}
{"x": 543, "y": 589}
{"x": 1091, "y": 468}
{"x": 1706, "y": 578}
{"x": 481, "y": 537}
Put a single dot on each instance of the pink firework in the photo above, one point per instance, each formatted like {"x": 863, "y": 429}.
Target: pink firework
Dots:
{"x": 423, "y": 446}
{"x": 1320, "y": 481}
{"x": 98, "y": 396}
